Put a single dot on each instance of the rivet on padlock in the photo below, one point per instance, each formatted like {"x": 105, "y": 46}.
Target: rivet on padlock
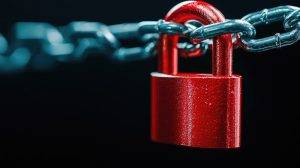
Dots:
{"x": 191, "y": 109}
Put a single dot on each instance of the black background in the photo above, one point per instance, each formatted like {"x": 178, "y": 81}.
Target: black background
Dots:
{"x": 97, "y": 112}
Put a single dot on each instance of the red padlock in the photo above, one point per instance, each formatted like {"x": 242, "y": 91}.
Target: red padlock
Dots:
{"x": 191, "y": 109}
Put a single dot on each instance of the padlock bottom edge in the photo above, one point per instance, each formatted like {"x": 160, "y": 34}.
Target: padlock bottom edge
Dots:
{"x": 198, "y": 147}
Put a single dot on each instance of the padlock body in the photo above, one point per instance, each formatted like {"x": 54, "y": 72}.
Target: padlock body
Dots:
{"x": 196, "y": 110}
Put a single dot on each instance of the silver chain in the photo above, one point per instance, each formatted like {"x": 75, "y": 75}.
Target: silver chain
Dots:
{"x": 41, "y": 45}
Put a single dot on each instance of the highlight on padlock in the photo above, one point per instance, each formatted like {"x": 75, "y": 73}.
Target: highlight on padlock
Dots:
{"x": 194, "y": 109}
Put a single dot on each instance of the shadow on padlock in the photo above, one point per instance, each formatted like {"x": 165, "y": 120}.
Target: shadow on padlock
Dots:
{"x": 192, "y": 109}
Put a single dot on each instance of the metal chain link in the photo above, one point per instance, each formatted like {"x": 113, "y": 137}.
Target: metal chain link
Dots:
{"x": 244, "y": 31}
{"x": 41, "y": 45}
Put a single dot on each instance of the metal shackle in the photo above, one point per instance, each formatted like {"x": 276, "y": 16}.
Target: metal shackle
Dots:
{"x": 206, "y": 14}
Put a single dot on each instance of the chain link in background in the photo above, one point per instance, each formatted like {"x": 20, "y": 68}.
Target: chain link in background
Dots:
{"x": 41, "y": 45}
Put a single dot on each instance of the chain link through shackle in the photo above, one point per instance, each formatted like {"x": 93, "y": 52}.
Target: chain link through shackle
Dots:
{"x": 243, "y": 29}
{"x": 41, "y": 45}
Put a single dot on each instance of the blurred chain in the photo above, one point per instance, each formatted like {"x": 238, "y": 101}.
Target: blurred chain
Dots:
{"x": 41, "y": 45}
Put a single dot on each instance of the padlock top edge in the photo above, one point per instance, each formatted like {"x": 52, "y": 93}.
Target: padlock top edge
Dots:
{"x": 191, "y": 75}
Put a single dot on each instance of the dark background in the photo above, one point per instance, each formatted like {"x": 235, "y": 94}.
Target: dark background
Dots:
{"x": 97, "y": 112}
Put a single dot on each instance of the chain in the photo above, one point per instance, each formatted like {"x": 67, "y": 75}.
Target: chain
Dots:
{"x": 41, "y": 45}
{"x": 243, "y": 30}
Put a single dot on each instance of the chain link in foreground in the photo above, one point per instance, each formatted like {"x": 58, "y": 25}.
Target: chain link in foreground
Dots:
{"x": 41, "y": 45}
